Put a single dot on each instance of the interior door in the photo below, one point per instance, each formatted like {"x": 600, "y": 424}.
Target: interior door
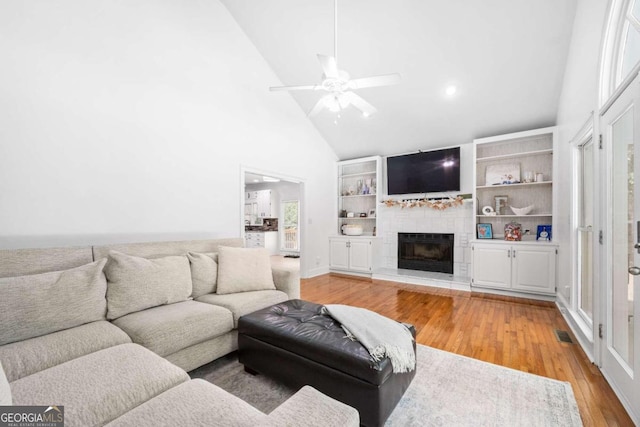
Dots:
{"x": 620, "y": 348}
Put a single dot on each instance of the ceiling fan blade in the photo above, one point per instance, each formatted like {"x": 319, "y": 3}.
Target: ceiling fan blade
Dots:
{"x": 383, "y": 80}
{"x": 329, "y": 66}
{"x": 357, "y": 101}
{"x": 318, "y": 107}
{"x": 304, "y": 87}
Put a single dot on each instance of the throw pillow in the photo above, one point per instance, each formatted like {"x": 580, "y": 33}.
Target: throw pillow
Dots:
{"x": 39, "y": 304}
{"x": 204, "y": 273}
{"x": 243, "y": 270}
{"x": 135, "y": 283}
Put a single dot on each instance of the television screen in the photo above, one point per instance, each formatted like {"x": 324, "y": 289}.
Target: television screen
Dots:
{"x": 424, "y": 172}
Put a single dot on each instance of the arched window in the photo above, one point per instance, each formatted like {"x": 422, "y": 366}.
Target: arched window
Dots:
{"x": 621, "y": 55}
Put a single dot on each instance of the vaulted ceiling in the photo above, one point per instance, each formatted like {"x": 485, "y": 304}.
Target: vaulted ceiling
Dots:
{"x": 506, "y": 58}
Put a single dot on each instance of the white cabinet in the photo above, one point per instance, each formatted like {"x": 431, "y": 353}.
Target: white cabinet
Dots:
{"x": 492, "y": 266}
{"x": 534, "y": 268}
{"x": 259, "y": 204}
{"x": 264, "y": 204}
{"x": 351, "y": 253}
{"x": 515, "y": 266}
{"x": 262, "y": 239}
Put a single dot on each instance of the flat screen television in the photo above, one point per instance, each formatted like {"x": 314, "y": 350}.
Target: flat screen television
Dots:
{"x": 424, "y": 172}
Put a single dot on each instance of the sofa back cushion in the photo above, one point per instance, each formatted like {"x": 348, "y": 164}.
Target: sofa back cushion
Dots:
{"x": 39, "y": 304}
{"x": 160, "y": 249}
{"x": 243, "y": 270}
{"x": 204, "y": 273}
{"x": 20, "y": 262}
{"x": 136, "y": 283}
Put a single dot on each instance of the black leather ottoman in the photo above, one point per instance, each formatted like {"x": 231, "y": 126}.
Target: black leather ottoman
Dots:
{"x": 296, "y": 344}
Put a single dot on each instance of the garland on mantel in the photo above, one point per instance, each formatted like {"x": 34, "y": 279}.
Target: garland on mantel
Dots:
{"x": 440, "y": 205}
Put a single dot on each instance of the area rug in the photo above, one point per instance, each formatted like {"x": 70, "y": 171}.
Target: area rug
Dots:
{"x": 448, "y": 390}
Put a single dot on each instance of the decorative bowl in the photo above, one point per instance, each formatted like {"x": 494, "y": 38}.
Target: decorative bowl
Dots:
{"x": 352, "y": 230}
{"x": 522, "y": 211}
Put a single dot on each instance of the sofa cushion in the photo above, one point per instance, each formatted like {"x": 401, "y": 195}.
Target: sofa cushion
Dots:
{"x": 27, "y": 357}
{"x": 245, "y": 302}
{"x": 311, "y": 408}
{"x": 35, "y": 305}
{"x": 169, "y": 328}
{"x": 5, "y": 390}
{"x": 100, "y": 386}
{"x": 243, "y": 270}
{"x": 194, "y": 403}
{"x": 136, "y": 283}
{"x": 204, "y": 273}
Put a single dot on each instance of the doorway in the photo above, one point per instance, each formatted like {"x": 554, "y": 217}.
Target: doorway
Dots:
{"x": 271, "y": 212}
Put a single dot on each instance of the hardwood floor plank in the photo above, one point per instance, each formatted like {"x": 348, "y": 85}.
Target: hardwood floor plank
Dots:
{"x": 512, "y": 332}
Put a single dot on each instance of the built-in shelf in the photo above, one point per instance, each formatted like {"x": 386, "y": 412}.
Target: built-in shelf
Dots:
{"x": 514, "y": 155}
{"x": 357, "y": 174}
{"x": 514, "y": 216}
{"x": 521, "y": 184}
{"x": 357, "y": 217}
{"x": 356, "y": 177}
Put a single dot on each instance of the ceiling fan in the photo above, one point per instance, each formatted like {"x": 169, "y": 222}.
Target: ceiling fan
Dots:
{"x": 339, "y": 84}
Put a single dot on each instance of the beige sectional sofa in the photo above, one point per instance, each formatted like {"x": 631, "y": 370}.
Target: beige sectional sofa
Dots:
{"x": 110, "y": 331}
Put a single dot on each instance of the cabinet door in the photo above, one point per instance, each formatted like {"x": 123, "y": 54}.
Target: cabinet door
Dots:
{"x": 360, "y": 255}
{"x": 492, "y": 265}
{"x": 534, "y": 269}
{"x": 264, "y": 203}
{"x": 339, "y": 253}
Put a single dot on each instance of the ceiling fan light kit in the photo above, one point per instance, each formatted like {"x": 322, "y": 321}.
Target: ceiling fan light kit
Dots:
{"x": 339, "y": 84}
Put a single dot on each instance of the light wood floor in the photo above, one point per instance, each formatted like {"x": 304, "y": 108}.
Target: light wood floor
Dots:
{"x": 506, "y": 331}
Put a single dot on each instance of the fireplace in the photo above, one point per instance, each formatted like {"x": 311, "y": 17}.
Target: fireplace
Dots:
{"x": 426, "y": 252}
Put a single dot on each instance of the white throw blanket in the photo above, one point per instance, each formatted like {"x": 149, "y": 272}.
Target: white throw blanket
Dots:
{"x": 380, "y": 335}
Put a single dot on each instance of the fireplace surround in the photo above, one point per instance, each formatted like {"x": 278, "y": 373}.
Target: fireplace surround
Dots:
{"x": 426, "y": 252}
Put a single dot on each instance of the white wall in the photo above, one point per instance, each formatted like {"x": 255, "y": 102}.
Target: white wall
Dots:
{"x": 578, "y": 100}
{"x": 129, "y": 120}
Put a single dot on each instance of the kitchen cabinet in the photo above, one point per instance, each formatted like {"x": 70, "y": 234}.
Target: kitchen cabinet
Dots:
{"x": 259, "y": 204}
{"x": 264, "y": 204}
{"x": 351, "y": 253}
{"x": 515, "y": 266}
{"x": 262, "y": 239}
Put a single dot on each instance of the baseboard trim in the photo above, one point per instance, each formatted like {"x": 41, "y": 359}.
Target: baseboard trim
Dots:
{"x": 314, "y": 272}
{"x": 578, "y": 331}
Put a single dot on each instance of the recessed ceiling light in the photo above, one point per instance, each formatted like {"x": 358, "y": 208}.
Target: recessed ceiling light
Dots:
{"x": 256, "y": 180}
{"x": 365, "y": 114}
{"x": 451, "y": 90}
{"x": 269, "y": 179}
